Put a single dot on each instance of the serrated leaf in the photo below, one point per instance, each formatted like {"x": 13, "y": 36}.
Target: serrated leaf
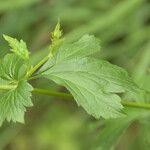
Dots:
{"x": 56, "y": 35}
{"x": 12, "y": 68}
{"x": 15, "y": 92}
{"x": 85, "y": 46}
{"x": 93, "y": 83}
{"x": 18, "y": 47}
{"x": 56, "y": 38}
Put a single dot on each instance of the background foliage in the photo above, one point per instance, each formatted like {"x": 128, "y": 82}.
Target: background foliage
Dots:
{"x": 53, "y": 124}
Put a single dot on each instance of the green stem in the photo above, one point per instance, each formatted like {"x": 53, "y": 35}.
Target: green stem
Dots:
{"x": 69, "y": 96}
{"x": 52, "y": 93}
{"x": 33, "y": 77}
{"x": 137, "y": 105}
{"x": 36, "y": 67}
{"x": 7, "y": 87}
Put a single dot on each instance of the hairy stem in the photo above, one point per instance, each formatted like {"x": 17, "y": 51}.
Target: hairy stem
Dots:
{"x": 69, "y": 96}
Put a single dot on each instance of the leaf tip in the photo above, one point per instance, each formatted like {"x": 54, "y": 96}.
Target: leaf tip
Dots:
{"x": 57, "y": 33}
{"x": 6, "y": 37}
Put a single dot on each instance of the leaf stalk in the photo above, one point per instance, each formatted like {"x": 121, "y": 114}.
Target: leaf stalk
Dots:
{"x": 69, "y": 97}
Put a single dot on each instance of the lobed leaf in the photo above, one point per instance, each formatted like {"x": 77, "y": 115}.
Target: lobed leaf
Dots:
{"x": 15, "y": 92}
{"x": 85, "y": 46}
{"x": 93, "y": 83}
{"x": 18, "y": 47}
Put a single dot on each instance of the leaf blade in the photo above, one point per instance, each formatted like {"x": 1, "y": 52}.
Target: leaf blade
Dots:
{"x": 18, "y": 47}
{"x": 94, "y": 83}
{"x": 15, "y": 91}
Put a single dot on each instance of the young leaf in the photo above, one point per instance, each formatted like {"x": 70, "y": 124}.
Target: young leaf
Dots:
{"x": 18, "y": 47}
{"x": 93, "y": 83}
{"x": 15, "y": 92}
{"x": 56, "y": 38}
{"x": 57, "y": 34}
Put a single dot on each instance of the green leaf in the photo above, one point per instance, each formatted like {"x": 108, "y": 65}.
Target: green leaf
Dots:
{"x": 85, "y": 46}
{"x": 93, "y": 83}
{"x": 107, "y": 136}
{"x": 140, "y": 72}
{"x": 15, "y": 92}
{"x": 18, "y": 47}
{"x": 56, "y": 38}
{"x": 57, "y": 34}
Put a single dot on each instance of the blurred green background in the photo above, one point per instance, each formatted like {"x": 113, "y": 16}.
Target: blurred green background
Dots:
{"x": 123, "y": 26}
